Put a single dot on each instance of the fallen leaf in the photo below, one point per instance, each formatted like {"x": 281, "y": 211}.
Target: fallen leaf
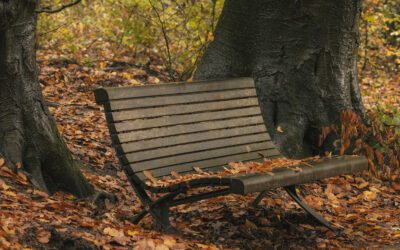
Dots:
{"x": 396, "y": 186}
{"x": 169, "y": 242}
{"x": 198, "y": 170}
{"x": 22, "y": 176}
{"x": 122, "y": 240}
{"x": 149, "y": 176}
{"x": 132, "y": 233}
{"x": 43, "y": 236}
{"x": 8, "y": 230}
{"x": 250, "y": 225}
{"x": 3, "y": 185}
{"x": 363, "y": 185}
{"x": 369, "y": 196}
{"x": 112, "y": 232}
{"x": 162, "y": 247}
{"x": 175, "y": 174}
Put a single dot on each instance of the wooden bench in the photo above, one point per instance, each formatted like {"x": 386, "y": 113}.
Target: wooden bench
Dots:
{"x": 179, "y": 126}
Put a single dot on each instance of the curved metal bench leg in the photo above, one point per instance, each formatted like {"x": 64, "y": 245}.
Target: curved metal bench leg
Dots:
{"x": 138, "y": 217}
{"x": 258, "y": 199}
{"x": 160, "y": 214}
{"x": 291, "y": 190}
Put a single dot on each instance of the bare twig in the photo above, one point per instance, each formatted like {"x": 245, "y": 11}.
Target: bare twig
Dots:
{"x": 213, "y": 15}
{"x": 124, "y": 28}
{"x": 50, "y": 9}
{"x": 165, "y": 35}
{"x": 52, "y": 30}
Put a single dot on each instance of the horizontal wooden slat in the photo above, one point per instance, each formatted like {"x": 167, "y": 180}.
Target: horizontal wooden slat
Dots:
{"x": 182, "y": 139}
{"x": 250, "y": 183}
{"x": 186, "y": 128}
{"x": 181, "y": 109}
{"x": 210, "y": 163}
{"x": 195, "y": 147}
{"x": 187, "y": 158}
{"x": 181, "y": 99}
{"x": 103, "y": 95}
{"x": 182, "y": 119}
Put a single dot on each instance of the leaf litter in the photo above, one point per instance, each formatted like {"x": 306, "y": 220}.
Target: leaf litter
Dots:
{"x": 365, "y": 208}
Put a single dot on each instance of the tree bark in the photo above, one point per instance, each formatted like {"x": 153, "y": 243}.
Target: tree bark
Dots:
{"x": 28, "y": 133}
{"x": 302, "y": 55}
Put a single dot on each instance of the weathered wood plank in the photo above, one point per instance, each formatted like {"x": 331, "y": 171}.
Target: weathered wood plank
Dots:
{"x": 185, "y": 159}
{"x": 181, "y": 99}
{"x": 182, "y": 119}
{"x": 183, "y": 139}
{"x": 182, "y": 109}
{"x": 106, "y": 94}
{"x": 245, "y": 184}
{"x": 186, "y": 129}
{"x": 196, "y": 147}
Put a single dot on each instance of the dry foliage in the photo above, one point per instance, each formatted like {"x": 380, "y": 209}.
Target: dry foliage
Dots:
{"x": 365, "y": 208}
{"x": 234, "y": 168}
{"x": 80, "y": 54}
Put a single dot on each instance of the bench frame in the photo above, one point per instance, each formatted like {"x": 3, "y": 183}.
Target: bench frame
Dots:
{"x": 159, "y": 209}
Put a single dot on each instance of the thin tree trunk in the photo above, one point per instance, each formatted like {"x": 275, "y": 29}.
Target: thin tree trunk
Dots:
{"x": 28, "y": 133}
{"x": 302, "y": 55}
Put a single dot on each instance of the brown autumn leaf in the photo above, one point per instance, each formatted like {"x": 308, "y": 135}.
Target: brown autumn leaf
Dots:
{"x": 3, "y": 185}
{"x": 40, "y": 193}
{"x": 149, "y": 176}
{"x": 121, "y": 239}
{"x": 175, "y": 174}
{"x": 113, "y": 232}
{"x": 198, "y": 170}
{"x": 22, "y": 177}
{"x": 396, "y": 186}
{"x": 369, "y": 195}
{"x": 250, "y": 225}
{"x": 6, "y": 172}
{"x": 363, "y": 185}
{"x": 379, "y": 157}
{"x": 43, "y": 236}
{"x": 86, "y": 223}
{"x": 122, "y": 175}
{"x": 169, "y": 241}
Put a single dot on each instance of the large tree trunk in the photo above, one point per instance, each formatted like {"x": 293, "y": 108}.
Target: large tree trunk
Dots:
{"x": 28, "y": 133}
{"x": 303, "y": 57}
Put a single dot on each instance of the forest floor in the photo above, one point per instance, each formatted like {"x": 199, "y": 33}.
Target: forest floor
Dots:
{"x": 367, "y": 210}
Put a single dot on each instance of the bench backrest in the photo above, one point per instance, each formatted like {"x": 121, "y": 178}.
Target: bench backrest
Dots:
{"x": 179, "y": 126}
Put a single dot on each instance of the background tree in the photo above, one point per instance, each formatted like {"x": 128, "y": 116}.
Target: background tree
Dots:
{"x": 28, "y": 133}
{"x": 303, "y": 57}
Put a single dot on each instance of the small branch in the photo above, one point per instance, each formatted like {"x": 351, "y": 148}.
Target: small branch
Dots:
{"x": 164, "y": 31}
{"x": 124, "y": 29}
{"x": 213, "y": 15}
{"x": 52, "y": 30}
{"x": 50, "y": 10}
